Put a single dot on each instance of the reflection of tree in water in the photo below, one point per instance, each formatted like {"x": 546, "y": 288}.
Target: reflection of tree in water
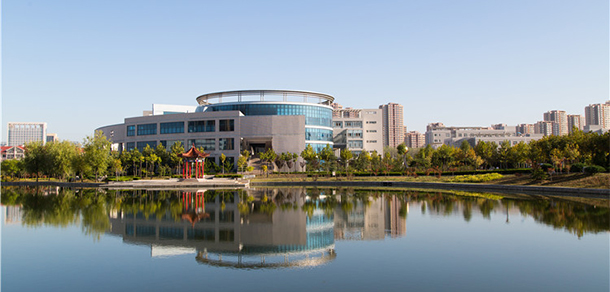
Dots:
{"x": 576, "y": 218}
{"x": 44, "y": 206}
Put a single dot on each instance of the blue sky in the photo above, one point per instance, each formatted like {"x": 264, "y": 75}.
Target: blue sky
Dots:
{"x": 80, "y": 65}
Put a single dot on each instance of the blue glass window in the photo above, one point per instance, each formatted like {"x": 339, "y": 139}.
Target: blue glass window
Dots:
{"x": 147, "y": 129}
{"x": 206, "y": 144}
{"x": 167, "y": 144}
{"x": 202, "y": 126}
{"x": 131, "y": 130}
{"x": 354, "y": 144}
{"x": 317, "y": 147}
{"x": 141, "y": 145}
{"x": 171, "y": 128}
{"x": 225, "y": 144}
{"x": 314, "y": 115}
{"x": 130, "y": 146}
{"x": 226, "y": 125}
{"x": 312, "y": 134}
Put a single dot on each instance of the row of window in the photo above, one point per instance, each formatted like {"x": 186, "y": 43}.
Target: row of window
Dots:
{"x": 312, "y": 134}
{"x": 314, "y": 115}
{"x": 354, "y": 144}
{"x": 178, "y": 127}
{"x": 206, "y": 144}
{"x": 347, "y": 124}
{"x": 354, "y": 133}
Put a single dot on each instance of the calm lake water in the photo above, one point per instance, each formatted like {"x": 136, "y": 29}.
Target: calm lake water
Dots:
{"x": 297, "y": 239}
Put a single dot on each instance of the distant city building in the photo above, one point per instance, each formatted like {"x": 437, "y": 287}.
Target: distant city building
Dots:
{"x": 543, "y": 128}
{"x": 437, "y": 134}
{"x": 575, "y": 121}
{"x": 12, "y": 152}
{"x": 22, "y": 133}
{"x": 598, "y": 115}
{"x": 358, "y": 130}
{"x": 393, "y": 124}
{"x": 559, "y": 120}
{"x": 415, "y": 139}
{"x": 524, "y": 129}
{"x": 52, "y": 138}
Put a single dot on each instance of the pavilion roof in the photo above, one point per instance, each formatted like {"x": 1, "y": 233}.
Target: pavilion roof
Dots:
{"x": 194, "y": 153}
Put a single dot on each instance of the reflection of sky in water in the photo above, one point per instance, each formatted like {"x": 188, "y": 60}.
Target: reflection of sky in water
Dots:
{"x": 438, "y": 250}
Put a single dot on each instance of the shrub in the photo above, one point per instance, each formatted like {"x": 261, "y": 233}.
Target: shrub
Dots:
{"x": 477, "y": 178}
{"x": 539, "y": 174}
{"x": 230, "y": 175}
{"x": 593, "y": 169}
{"x": 546, "y": 166}
{"x": 577, "y": 167}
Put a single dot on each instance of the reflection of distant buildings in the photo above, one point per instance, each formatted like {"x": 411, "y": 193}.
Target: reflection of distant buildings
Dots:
{"x": 372, "y": 221}
{"x": 12, "y": 215}
{"x": 396, "y": 226}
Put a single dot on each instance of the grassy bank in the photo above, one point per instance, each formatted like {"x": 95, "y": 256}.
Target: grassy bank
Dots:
{"x": 596, "y": 181}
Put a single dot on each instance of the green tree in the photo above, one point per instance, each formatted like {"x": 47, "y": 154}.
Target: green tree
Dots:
{"x": 36, "y": 160}
{"x": 11, "y": 167}
{"x": 443, "y": 156}
{"x": 97, "y": 153}
{"x": 346, "y": 155}
{"x": 61, "y": 155}
{"x": 223, "y": 158}
{"x": 327, "y": 155}
{"x": 242, "y": 162}
{"x": 175, "y": 160}
{"x": 117, "y": 167}
{"x": 486, "y": 150}
{"x": 363, "y": 161}
{"x": 310, "y": 156}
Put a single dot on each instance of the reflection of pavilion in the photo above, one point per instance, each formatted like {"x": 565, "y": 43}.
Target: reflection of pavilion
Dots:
{"x": 221, "y": 236}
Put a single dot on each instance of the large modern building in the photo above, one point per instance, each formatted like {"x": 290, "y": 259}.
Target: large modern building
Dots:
{"x": 22, "y": 133}
{"x": 231, "y": 121}
{"x": 358, "y": 129}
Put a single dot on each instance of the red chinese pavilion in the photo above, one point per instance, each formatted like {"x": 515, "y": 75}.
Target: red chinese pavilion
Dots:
{"x": 195, "y": 158}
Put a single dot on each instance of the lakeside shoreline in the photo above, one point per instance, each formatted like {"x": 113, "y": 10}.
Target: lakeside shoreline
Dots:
{"x": 155, "y": 184}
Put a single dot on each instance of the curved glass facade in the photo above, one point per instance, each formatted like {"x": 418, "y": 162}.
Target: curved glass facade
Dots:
{"x": 315, "y": 134}
{"x": 314, "y": 115}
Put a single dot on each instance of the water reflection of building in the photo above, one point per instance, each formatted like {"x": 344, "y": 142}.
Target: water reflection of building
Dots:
{"x": 12, "y": 215}
{"x": 225, "y": 237}
{"x": 371, "y": 220}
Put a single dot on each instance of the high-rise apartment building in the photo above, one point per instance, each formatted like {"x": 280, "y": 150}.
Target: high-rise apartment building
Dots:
{"x": 523, "y": 129}
{"x": 393, "y": 124}
{"x": 598, "y": 115}
{"x": 559, "y": 120}
{"x": 575, "y": 121}
{"x": 543, "y": 127}
{"x": 415, "y": 139}
{"x": 21, "y": 133}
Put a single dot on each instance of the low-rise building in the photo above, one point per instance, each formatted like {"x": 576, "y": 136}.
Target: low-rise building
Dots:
{"x": 358, "y": 130}
{"x": 438, "y": 134}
